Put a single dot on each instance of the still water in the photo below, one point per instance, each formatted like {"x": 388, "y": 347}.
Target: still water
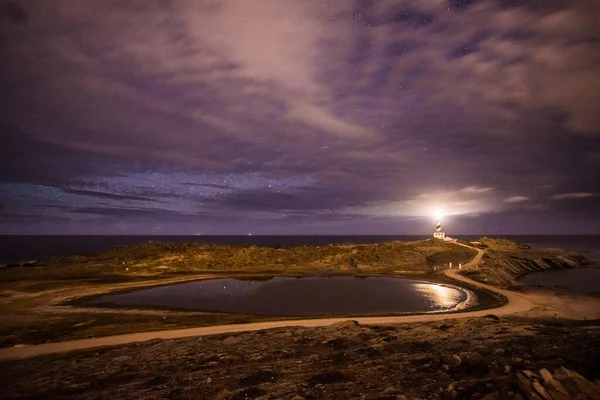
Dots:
{"x": 307, "y": 296}
{"x": 585, "y": 280}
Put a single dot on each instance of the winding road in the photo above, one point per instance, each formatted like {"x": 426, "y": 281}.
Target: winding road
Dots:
{"x": 516, "y": 303}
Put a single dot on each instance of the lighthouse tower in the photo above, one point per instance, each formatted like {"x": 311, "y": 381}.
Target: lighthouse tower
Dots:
{"x": 438, "y": 233}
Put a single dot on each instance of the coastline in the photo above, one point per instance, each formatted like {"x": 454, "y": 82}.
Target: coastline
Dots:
{"x": 471, "y": 353}
{"x": 61, "y": 300}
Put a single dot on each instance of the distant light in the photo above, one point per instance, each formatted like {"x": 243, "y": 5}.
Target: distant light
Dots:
{"x": 438, "y": 213}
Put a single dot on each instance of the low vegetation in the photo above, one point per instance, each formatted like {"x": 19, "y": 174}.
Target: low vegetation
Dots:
{"x": 162, "y": 259}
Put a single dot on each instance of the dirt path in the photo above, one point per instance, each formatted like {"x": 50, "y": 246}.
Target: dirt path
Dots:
{"x": 516, "y": 303}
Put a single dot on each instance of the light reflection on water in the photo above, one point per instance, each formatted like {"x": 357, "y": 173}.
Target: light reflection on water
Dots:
{"x": 443, "y": 296}
{"x": 306, "y": 296}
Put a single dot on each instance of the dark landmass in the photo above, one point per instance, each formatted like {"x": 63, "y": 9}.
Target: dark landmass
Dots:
{"x": 476, "y": 358}
{"x": 506, "y": 261}
{"x": 161, "y": 259}
{"x": 486, "y": 358}
{"x": 43, "y": 302}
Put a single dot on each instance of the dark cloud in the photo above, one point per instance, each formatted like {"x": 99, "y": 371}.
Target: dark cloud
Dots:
{"x": 111, "y": 196}
{"x": 345, "y": 117}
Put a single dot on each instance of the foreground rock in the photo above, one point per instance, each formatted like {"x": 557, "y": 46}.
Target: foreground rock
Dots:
{"x": 565, "y": 384}
{"x": 486, "y": 358}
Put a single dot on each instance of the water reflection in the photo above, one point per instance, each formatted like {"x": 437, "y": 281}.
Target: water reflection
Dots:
{"x": 443, "y": 296}
{"x": 306, "y": 296}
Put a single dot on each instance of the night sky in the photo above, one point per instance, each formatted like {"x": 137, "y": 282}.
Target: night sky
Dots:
{"x": 299, "y": 117}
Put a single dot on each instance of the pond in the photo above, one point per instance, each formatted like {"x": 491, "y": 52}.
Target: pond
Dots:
{"x": 291, "y": 296}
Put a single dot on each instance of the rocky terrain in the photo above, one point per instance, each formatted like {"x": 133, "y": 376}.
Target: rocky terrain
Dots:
{"x": 487, "y": 358}
{"x": 506, "y": 261}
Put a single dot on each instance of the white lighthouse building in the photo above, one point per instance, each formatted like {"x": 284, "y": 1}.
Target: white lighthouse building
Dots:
{"x": 438, "y": 233}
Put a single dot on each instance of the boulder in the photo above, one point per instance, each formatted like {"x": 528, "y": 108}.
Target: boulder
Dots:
{"x": 581, "y": 384}
{"x": 526, "y": 387}
{"x": 553, "y": 386}
{"x": 564, "y": 384}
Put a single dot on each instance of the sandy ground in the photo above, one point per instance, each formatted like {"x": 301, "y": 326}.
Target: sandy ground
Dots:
{"x": 548, "y": 303}
{"x": 539, "y": 304}
{"x": 544, "y": 303}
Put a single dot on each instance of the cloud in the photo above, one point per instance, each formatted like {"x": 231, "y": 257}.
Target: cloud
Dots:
{"x": 466, "y": 201}
{"x": 377, "y": 109}
{"x": 516, "y": 199}
{"x": 572, "y": 196}
{"x": 475, "y": 189}
{"x": 321, "y": 119}
{"x": 105, "y": 195}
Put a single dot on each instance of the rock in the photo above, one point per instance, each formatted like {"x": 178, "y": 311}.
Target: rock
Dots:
{"x": 475, "y": 364}
{"x": 526, "y": 387}
{"x": 541, "y": 391}
{"x": 444, "y": 327}
{"x": 337, "y": 343}
{"x": 518, "y": 396}
{"x": 581, "y": 384}
{"x": 491, "y": 396}
{"x": 492, "y": 316}
{"x": 231, "y": 340}
{"x": 249, "y": 393}
{"x": 121, "y": 359}
{"x": 258, "y": 378}
{"x": 327, "y": 377}
{"x": 562, "y": 375}
{"x": 530, "y": 375}
{"x": 346, "y": 324}
{"x": 517, "y": 362}
{"x": 453, "y": 360}
{"x": 450, "y": 393}
{"x": 224, "y": 395}
{"x": 564, "y": 384}
{"x": 553, "y": 386}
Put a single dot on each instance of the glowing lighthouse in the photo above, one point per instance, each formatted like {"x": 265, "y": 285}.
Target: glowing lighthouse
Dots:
{"x": 438, "y": 233}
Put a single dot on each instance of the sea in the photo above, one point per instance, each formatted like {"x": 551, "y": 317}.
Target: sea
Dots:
{"x": 26, "y": 250}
